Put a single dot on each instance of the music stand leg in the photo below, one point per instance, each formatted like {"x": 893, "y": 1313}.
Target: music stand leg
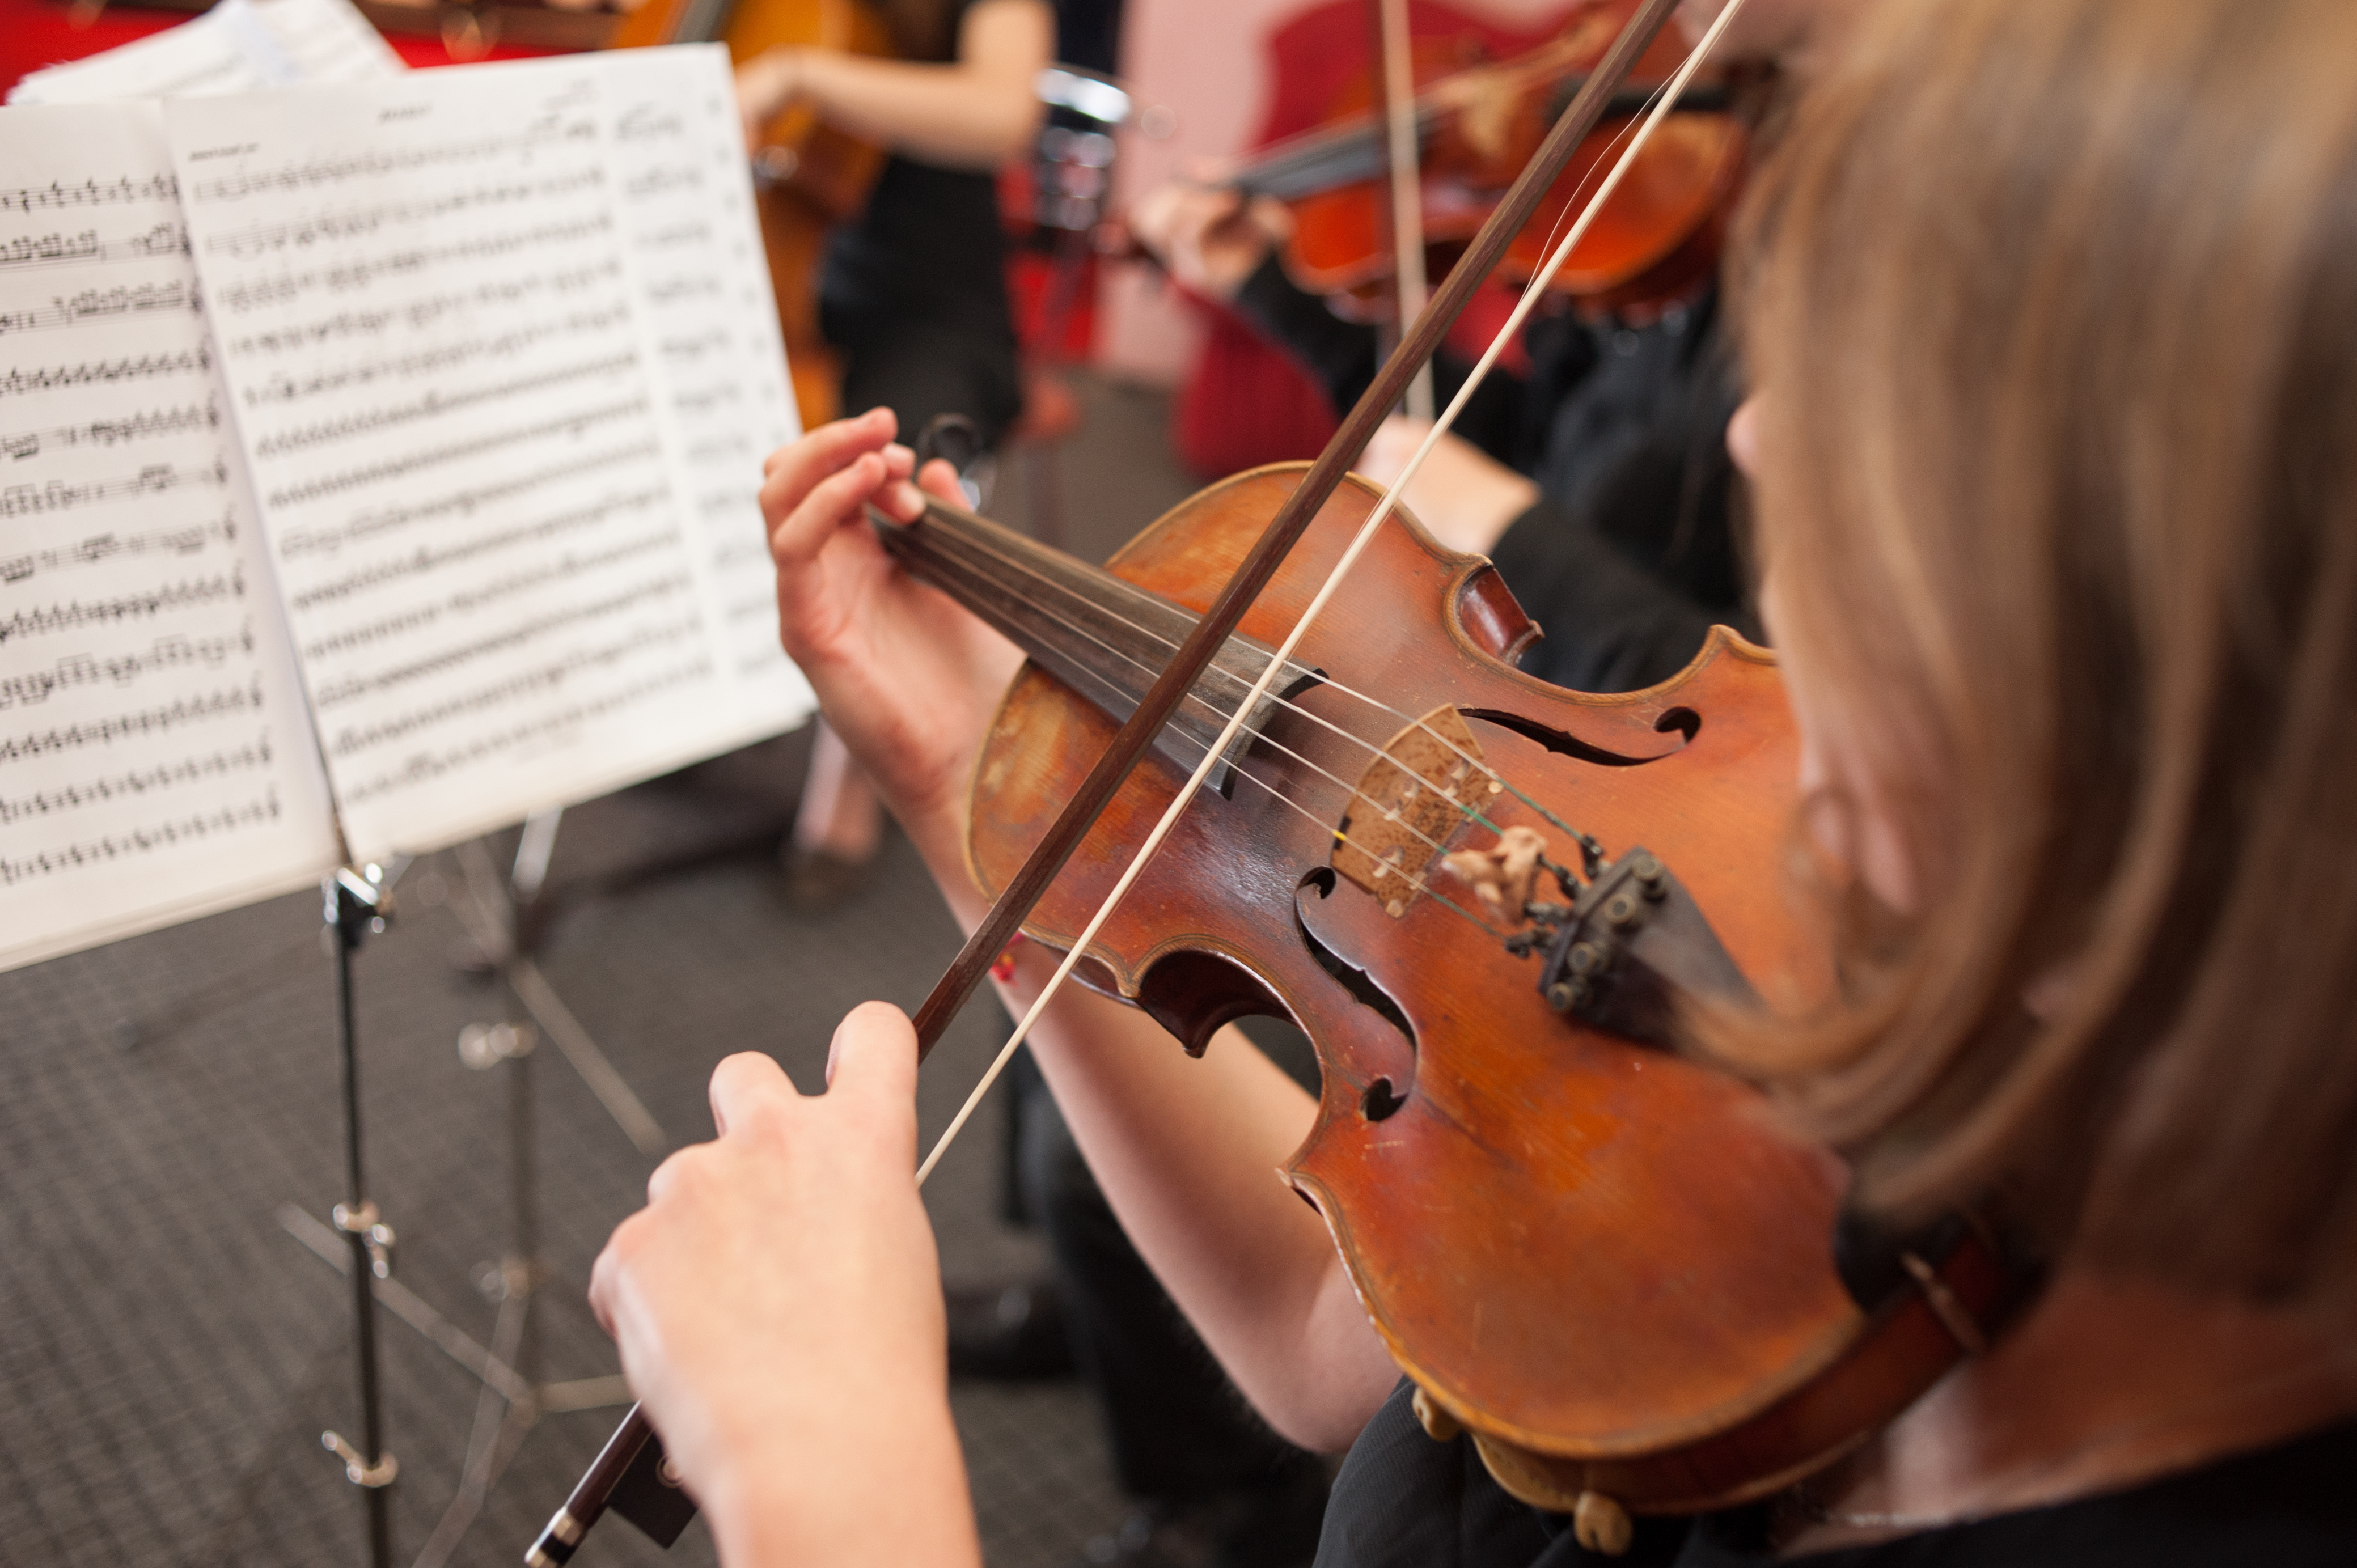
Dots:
{"x": 355, "y": 902}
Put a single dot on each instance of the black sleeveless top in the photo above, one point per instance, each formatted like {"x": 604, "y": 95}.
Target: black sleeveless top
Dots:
{"x": 1405, "y": 1501}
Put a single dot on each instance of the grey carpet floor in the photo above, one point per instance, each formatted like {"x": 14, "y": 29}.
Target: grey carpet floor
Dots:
{"x": 171, "y": 1348}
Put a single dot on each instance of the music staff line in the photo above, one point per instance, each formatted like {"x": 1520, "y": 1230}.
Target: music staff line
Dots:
{"x": 140, "y": 604}
{"x": 33, "y": 199}
{"x": 694, "y": 232}
{"x": 239, "y": 299}
{"x": 511, "y": 688}
{"x": 99, "y": 548}
{"x": 573, "y": 424}
{"x": 436, "y": 404}
{"x": 297, "y": 543}
{"x": 466, "y": 601}
{"x": 140, "y": 426}
{"x": 140, "y": 840}
{"x": 130, "y": 368}
{"x": 336, "y": 693}
{"x": 83, "y": 734}
{"x": 377, "y": 162}
{"x": 137, "y": 783}
{"x": 426, "y": 558}
{"x": 54, "y": 250}
{"x": 282, "y": 388}
{"x": 98, "y": 303}
{"x": 424, "y": 767}
{"x": 56, "y": 495}
{"x": 176, "y": 653}
{"x": 360, "y": 223}
{"x": 495, "y": 294}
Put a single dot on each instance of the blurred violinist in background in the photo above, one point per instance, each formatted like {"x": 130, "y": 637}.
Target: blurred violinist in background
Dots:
{"x": 1595, "y": 473}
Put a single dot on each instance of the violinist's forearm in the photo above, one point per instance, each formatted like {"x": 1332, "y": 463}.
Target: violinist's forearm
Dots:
{"x": 1187, "y": 1152}
{"x": 976, "y": 111}
{"x": 888, "y": 1484}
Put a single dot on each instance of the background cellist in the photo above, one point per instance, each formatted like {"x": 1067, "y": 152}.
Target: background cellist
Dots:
{"x": 2052, "y": 325}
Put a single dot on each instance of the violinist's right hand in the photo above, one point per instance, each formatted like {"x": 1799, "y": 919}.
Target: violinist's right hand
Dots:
{"x": 1211, "y": 238}
{"x": 906, "y": 676}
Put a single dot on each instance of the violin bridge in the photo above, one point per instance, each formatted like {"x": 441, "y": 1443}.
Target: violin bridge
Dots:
{"x": 1418, "y": 789}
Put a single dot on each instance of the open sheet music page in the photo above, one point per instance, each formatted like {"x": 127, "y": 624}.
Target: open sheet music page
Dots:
{"x": 491, "y": 528}
{"x": 155, "y": 761}
{"x": 237, "y": 46}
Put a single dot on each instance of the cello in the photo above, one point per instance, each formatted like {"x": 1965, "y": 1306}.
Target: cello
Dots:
{"x": 1633, "y": 1300}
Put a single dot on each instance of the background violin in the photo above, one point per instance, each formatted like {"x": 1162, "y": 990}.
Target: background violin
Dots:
{"x": 1477, "y": 124}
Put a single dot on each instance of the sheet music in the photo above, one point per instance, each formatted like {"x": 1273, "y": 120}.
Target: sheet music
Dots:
{"x": 237, "y": 46}
{"x": 155, "y": 758}
{"x": 679, "y": 160}
{"x": 467, "y": 435}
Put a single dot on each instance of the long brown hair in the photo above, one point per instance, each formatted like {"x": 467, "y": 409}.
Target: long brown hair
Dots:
{"x": 2052, "y": 305}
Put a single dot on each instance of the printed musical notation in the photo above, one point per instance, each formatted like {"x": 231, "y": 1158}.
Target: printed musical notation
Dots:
{"x": 122, "y": 299}
{"x": 696, "y": 247}
{"x": 449, "y": 365}
{"x": 155, "y": 756}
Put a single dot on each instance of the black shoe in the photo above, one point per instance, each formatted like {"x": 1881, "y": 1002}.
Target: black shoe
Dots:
{"x": 1009, "y": 1333}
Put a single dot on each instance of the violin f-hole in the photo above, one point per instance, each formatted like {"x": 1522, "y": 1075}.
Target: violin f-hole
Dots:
{"x": 1322, "y": 880}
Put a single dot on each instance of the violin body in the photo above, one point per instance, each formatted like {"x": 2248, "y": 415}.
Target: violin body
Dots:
{"x": 1605, "y": 1261}
{"x": 809, "y": 176}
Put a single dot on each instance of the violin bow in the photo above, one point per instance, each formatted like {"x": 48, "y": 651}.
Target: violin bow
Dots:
{"x": 1396, "y": 55}
{"x": 629, "y": 1449}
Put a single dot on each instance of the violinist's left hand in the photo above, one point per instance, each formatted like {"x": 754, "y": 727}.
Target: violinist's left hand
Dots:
{"x": 778, "y": 1306}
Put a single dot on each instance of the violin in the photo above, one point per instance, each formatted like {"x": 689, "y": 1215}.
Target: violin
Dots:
{"x": 1476, "y": 127}
{"x": 808, "y": 175}
{"x": 1489, "y": 903}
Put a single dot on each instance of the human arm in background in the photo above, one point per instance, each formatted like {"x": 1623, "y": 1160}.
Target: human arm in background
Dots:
{"x": 974, "y": 111}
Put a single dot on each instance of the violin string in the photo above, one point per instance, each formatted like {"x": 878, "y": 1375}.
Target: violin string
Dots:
{"x": 1161, "y": 828}
{"x": 1470, "y": 813}
{"x": 1391, "y": 813}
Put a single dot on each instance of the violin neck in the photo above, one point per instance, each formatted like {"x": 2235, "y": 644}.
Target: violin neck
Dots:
{"x": 1353, "y": 150}
{"x": 1105, "y": 637}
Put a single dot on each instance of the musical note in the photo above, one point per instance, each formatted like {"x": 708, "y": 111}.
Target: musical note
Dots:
{"x": 194, "y": 360}
{"x": 201, "y": 829}
{"x": 35, "y": 501}
{"x": 141, "y": 604}
{"x": 157, "y": 189}
{"x": 149, "y": 716}
{"x": 137, "y": 782}
{"x": 66, "y": 310}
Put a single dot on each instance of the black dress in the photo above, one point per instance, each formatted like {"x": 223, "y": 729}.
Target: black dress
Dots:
{"x": 914, "y": 290}
{"x": 1405, "y": 1501}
